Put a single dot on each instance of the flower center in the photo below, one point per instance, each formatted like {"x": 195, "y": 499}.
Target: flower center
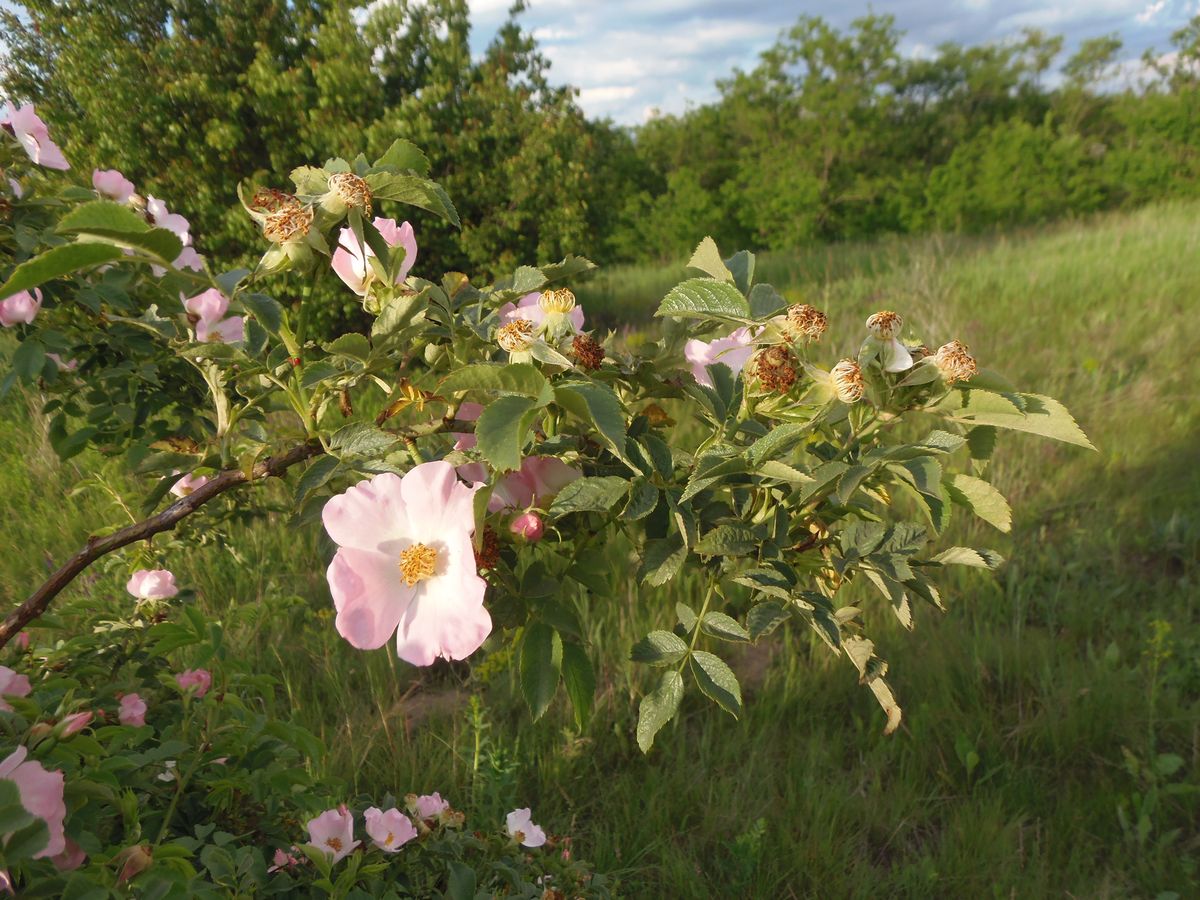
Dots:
{"x": 557, "y": 301}
{"x": 516, "y": 336}
{"x": 333, "y": 843}
{"x": 519, "y": 837}
{"x": 885, "y": 325}
{"x": 388, "y": 840}
{"x": 417, "y": 563}
{"x": 288, "y": 223}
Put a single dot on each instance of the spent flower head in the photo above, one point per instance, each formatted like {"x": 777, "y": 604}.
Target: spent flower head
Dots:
{"x": 804, "y": 322}
{"x": 955, "y": 362}
{"x": 847, "y": 379}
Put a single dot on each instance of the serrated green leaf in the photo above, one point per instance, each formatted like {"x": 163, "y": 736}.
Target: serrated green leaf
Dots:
{"x": 687, "y": 616}
{"x": 659, "y": 648}
{"x": 707, "y": 259}
{"x": 353, "y": 345}
{"x": 741, "y": 266}
{"x": 727, "y": 540}
{"x": 1042, "y": 415}
{"x": 766, "y": 302}
{"x": 579, "y": 679}
{"x": 981, "y": 441}
{"x": 662, "y": 559}
{"x": 515, "y": 378}
{"x": 414, "y": 191}
{"x": 775, "y": 443}
{"x": 55, "y": 263}
{"x": 501, "y": 429}
{"x": 658, "y": 708}
{"x": 723, "y": 627}
{"x": 361, "y": 439}
{"x": 318, "y": 473}
{"x": 702, "y": 298}
{"x": 589, "y": 494}
{"x": 717, "y": 681}
{"x": 404, "y": 155}
{"x": 981, "y": 498}
{"x": 969, "y": 556}
{"x": 765, "y": 617}
{"x": 598, "y": 404}
{"x": 567, "y": 268}
{"x": 541, "y": 666}
{"x": 265, "y": 309}
{"x": 105, "y": 220}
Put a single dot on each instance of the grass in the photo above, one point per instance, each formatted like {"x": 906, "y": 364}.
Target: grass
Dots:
{"x": 1052, "y": 720}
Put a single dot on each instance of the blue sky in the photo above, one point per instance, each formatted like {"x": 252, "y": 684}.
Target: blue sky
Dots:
{"x": 629, "y": 57}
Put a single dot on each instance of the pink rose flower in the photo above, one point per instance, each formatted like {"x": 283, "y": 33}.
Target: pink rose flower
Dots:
{"x": 73, "y": 724}
{"x": 22, "y": 306}
{"x": 41, "y": 794}
{"x": 189, "y": 259}
{"x": 72, "y": 857}
{"x": 734, "y": 351}
{"x": 389, "y": 830}
{"x": 33, "y": 136}
{"x": 351, "y": 261}
{"x": 15, "y": 186}
{"x": 529, "y": 526}
{"x": 467, "y": 412}
{"x": 152, "y": 584}
{"x": 22, "y": 640}
{"x": 538, "y": 479}
{"x": 133, "y": 710}
{"x": 173, "y": 222}
{"x": 283, "y": 860}
{"x": 332, "y": 832}
{"x": 522, "y": 830}
{"x": 188, "y": 483}
{"x": 405, "y": 565}
{"x": 12, "y": 684}
{"x": 529, "y": 308}
{"x": 196, "y": 680}
{"x": 429, "y": 806}
{"x": 209, "y": 307}
{"x": 112, "y": 184}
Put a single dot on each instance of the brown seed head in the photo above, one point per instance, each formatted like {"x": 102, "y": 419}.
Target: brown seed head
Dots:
{"x": 848, "y": 381}
{"x": 587, "y": 351}
{"x": 288, "y": 224}
{"x": 516, "y": 336}
{"x": 804, "y": 321}
{"x": 488, "y": 554}
{"x": 775, "y": 368}
{"x": 351, "y": 190}
{"x": 885, "y": 325}
{"x": 269, "y": 200}
{"x": 955, "y": 362}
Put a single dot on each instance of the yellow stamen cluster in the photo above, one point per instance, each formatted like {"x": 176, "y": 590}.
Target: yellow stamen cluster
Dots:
{"x": 334, "y": 844}
{"x": 848, "y": 381}
{"x": 417, "y": 563}
{"x": 287, "y": 224}
{"x": 804, "y": 321}
{"x": 885, "y": 325}
{"x": 351, "y": 190}
{"x": 775, "y": 368}
{"x": 516, "y": 336}
{"x": 955, "y": 362}
{"x": 557, "y": 301}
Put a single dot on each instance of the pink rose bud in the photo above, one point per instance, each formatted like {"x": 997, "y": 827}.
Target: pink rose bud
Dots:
{"x": 529, "y": 526}
{"x": 22, "y": 640}
{"x": 71, "y": 858}
{"x": 22, "y": 306}
{"x": 198, "y": 679}
{"x": 133, "y": 710}
{"x": 73, "y": 724}
{"x": 133, "y": 861}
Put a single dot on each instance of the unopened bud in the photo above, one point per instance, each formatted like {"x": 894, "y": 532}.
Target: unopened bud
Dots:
{"x": 132, "y": 861}
{"x": 529, "y": 526}
{"x": 72, "y": 724}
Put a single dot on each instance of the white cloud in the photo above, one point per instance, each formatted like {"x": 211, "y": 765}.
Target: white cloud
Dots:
{"x": 1151, "y": 11}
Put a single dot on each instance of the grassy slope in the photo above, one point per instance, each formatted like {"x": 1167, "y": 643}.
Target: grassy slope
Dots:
{"x": 1021, "y": 703}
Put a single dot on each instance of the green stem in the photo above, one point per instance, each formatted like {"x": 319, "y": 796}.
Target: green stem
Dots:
{"x": 708, "y": 595}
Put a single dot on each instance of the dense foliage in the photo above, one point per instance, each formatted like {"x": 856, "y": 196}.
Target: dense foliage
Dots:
{"x": 465, "y": 453}
{"x": 832, "y": 135}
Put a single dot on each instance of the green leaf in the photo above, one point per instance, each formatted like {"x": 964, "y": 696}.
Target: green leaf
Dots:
{"x": 775, "y": 443}
{"x": 589, "y": 494}
{"x": 766, "y": 302}
{"x": 568, "y": 267}
{"x": 265, "y": 309}
{"x": 317, "y": 474}
{"x": 981, "y": 442}
{"x": 414, "y": 191}
{"x": 723, "y": 627}
{"x": 1042, "y": 415}
{"x": 659, "y": 648}
{"x": 717, "y": 681}
{"x": 29, "y": 359}
{"x": 662, "y": 559}
{"x": 969, "y": 556}
{"x": 26, "y": 841}
{"x": 598, "y": 404}
{"x": 643, "y": 498}
{"x": 687, "y": 616}
{"x": 501, "y": 429}
{"x": 56, "y": 263}
{"x": 12, "y": 814}
{"x": 702, "y": 298}
{"x": 658, "y": 708}
{"x": 541, "y": 666}
{"x": 579, "y": 678}
{"x": 352, "y": 344}
{"x": 727, "y": 540}
{"x": 114, "y": 222}
{"x": 460, "y": 881}
{"x": 765, "y": 617}
{"x": 741, "y": 266}
{"x": 707, "y": 259}
{"x": 361, "y": 439}
{"x": 404, "y": 155}
{"x": 515, "y": 378}
{"x": 981, "y": 498}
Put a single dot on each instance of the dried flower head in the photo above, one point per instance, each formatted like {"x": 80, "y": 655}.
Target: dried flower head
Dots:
{"x": 885, "y": 325}
{"x": 848, "y": 381}
{"x": 804, "y": 321}
{"x": 488, "y": 553}
{"x": 516, "y": 336}
{"x": 955, "y": 362}
{"x": 269, "y": 200}
{"x": 560, "y": 301}
{"x": 288, "y": 224}
{"x": 587, "y": 351}
{"x": 775, "y": 368}
{"x": 351, "y": 190}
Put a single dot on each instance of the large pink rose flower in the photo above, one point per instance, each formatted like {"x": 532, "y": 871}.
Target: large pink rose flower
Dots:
{"x": 132, "y": 711}
{"x": 152, "y": 584}
{"x": 521, "y": 828}
{"x": 733, "y": 351}
{"x": 33, "y": 136}
{"x": 528, "y": 307}
{"x": 209, "y": 309}
{"x": 389, "y": 830}
{"x": 41, "y": 794}
{"x": 112, "y": 184}
{"x": 332, "y": 832}
{"x": 22, "y": 306}
{"x": 405, "y": 565}
{"x": 12, "y": 683}
{"x": 196, "y": 680}
{"x": 350, "y": 260}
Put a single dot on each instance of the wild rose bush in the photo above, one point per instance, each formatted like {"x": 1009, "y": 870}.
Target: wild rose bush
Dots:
{"x": 472, "y": 452}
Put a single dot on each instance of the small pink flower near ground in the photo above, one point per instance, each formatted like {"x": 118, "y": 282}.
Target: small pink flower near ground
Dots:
{"x": 71, "y": 858}
{"x": 405, "y": 565}
{"x": 73, "y": 724}
{"x": 529, "y": 526}
{"x": 22, "y": 306}
{"x": 351, "y": 261}
{"x": 13, "y": 684}
{"x": 283, "y": 860}
{"x": 132, "y": 711}
{"x": 112, "y": 184}
{"x": 332, "y": 832}
{"x": 33, "y": 136}
{"x": 528, "y": 307}
{"x": 188, "y": 484}
{"x": 389, "y": 830}
{"x": 41, "y": 794}
{"x": 522, "y": 830}
{"x": 152, "y": 584}
{"x": 733, "y": 351}
{"x": 428, "y": 806}
{"x": 196, "y": 680}
{"x": 209, "y": 309}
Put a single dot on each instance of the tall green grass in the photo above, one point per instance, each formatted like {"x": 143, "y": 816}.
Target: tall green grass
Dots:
{"x": 1052, "y": 719}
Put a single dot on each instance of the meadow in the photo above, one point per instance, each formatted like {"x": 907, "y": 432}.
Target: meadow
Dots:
{"x": 1051, "y": 741}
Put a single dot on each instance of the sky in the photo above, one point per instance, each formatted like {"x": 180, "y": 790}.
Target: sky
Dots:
{"x": 632, "y": 57}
